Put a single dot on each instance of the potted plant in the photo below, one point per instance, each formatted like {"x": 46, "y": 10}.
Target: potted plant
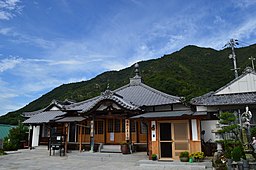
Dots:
{"x": 125, "y": 148}
{"x": 154, "y": 157}
{"x": 197, "y": 156}
{"x": 184, "y": 156}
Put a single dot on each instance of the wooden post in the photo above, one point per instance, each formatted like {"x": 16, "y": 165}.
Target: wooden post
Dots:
{"x": 66, "y": 137}
{"x": 80, "y": 138}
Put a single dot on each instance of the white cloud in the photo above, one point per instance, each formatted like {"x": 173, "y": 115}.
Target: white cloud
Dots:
{"x": 243, "y": 3}
{"x": 9, "y": 63}
{"x": 9, "y": 9}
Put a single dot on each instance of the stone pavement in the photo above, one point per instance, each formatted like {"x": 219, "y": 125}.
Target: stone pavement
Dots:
{"x": 39, "y": 159}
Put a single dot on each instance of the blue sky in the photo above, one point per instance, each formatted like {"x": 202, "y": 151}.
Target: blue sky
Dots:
{"x": 46, "y": 43}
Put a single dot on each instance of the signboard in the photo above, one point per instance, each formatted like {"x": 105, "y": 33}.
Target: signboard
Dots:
{"x": 127, "y": 129}
{"x": 112, "y": 136}
{"x": 153, "y": 130}
{"x": 92, "y": 128}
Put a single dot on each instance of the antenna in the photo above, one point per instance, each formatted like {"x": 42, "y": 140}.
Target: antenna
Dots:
{"x": 252, "y": 59}
{"x": 232, "y": 43}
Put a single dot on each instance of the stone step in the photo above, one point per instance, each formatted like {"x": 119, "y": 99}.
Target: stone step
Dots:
{"x": 111, "y": 149}
{"x": 175, "y": 164}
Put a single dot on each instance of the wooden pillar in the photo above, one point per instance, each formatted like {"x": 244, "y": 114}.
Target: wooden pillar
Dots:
{"x": 66, "y": 137}
{"x": 80, "y": 138}
{"x": 92, "y": 135}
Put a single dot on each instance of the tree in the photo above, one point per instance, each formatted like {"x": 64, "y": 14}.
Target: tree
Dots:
{"x": 16, "y": 135}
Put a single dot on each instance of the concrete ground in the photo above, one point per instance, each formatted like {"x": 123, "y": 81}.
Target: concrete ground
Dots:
{"x": 39, "y": 159}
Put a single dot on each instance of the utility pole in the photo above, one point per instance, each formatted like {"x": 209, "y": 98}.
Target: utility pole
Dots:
{"x": 232, "y": 43}
{"x": 252, "y": 59}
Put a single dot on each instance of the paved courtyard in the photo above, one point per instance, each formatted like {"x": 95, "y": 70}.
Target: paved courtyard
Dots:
{"x": 39, "y": 159}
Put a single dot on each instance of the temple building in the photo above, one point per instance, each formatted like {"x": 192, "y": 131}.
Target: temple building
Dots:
{"x": 234, "y": 97}
{"x": 140, "y": 115}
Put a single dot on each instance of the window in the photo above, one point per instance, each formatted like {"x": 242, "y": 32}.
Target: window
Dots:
{"x": 100, "y": 127}
{"x": 110, "y": 125}
{"x": 143, "y": 128}
{"x": 132, "y": 124}
{"x": 123, "y": 125}
{"x": 117, "y": 125}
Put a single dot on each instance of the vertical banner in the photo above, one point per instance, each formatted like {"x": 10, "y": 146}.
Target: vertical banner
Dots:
{"x": 92, "y": 128}
{"x": 153, "y": 130}
{"x": 127, "y": 129}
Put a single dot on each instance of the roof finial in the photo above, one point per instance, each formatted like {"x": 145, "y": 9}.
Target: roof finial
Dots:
{"x": 252, "y": 59}
{"x": 136, "y": 66}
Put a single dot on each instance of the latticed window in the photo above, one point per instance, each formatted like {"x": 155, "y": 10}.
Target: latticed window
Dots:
{"x": 117, "y": 125}
{"x": 96, "y": 127}
{"x": 100, "y": 127}
{"x": 143, "y": 128}
{"x": 110, "y": 125}
{"x": 123, "y": 125}
{"x": 132, "y": 124}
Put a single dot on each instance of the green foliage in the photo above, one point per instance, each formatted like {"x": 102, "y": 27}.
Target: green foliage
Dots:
{"x": 190, "y": 72}
{"x": 238, "y": 153}
{"x": 17, "y": 134}
{"x": 230, "y": 132}
{"x": 230, "y": 125}
{"x": 184, "y": 154}
{"x": 197, "y": 155}
{"x": 253, "y": 132}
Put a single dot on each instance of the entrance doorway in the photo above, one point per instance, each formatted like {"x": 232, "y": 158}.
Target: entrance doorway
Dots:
{"x": 165, "y": 140}
{"x": 173, "y": 138}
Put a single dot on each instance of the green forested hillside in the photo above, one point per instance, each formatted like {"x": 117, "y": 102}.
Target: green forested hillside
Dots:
{"x": 190, "y": 72}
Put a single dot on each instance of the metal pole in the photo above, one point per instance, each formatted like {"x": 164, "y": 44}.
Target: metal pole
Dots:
{"x": 232, "y": 44}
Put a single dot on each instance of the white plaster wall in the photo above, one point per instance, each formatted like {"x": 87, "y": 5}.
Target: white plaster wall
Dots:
{"x": 208, "y": 126}
{"x": 35, "y": 137}
{"x": 54, "y": 108}
{"x": 201, "y": 108}
{"x": 243, "y": 85}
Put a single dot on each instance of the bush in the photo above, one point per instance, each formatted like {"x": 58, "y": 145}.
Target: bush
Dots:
{"x": 238, "y": 153}
{"x": 17, "y": 134}
{"x": 184, "y": 154}
{"x": 253, "y": 132}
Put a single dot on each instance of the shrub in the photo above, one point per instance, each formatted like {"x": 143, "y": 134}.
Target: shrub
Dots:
{"x": 17, "y": 134}
{"x": 238, "y": 153}
{"x": 184, "y": 154}
{"x": 197, "y": 155}
{"x": 154, "y": 156}
{"x": 253, "y": 131}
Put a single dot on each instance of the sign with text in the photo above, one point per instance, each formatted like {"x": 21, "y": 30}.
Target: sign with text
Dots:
{"x": 92, "y": 128}
{"x": 127, "y": 129}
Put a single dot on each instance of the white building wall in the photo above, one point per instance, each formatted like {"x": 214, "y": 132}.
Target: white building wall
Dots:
{"x": 208, "y": 126}
{"x": 35, "y": 136}
{"x": 244, "y": 85}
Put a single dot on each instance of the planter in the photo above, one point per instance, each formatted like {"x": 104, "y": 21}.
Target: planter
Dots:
{"x": 184, "y": 159}
{"x": 125, "y": 149}
{"x": 154, "y": 157}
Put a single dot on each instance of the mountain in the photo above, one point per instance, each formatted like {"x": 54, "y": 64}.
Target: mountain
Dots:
{"x": 189, "y": 72}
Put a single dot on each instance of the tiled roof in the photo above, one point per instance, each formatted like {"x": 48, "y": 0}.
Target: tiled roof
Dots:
{"x": 163, "y": 114}
{"x": 215, "y": 99}
{"x": 210, "y": 99}
{"x": 107, "y": 95}
{"x": 57, "y": 103}
{"x": 70, "y": 119}
{"x": 44, "y": 117}
{"x": 131, "y": 97}
{"x": 143, "y": 95}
